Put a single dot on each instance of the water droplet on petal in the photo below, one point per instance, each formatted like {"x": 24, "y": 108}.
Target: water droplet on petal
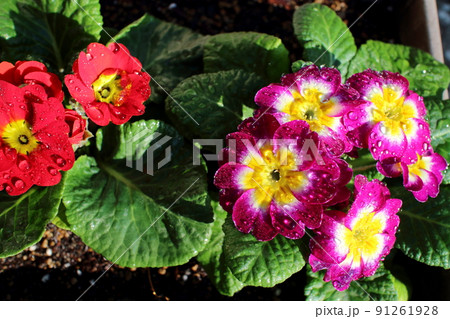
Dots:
{"x": 52, "y": 171}
{"x": 6, "y": 176}
{"x": 352, "y": 115}
{"x": 18, "y": 183}
{"x": 24, "y": 165}
{"x": 8, "y": 189}
{"x": 58, "y": 160}
{"x": 379, "y": 143}
{"x": 425, "y": 146}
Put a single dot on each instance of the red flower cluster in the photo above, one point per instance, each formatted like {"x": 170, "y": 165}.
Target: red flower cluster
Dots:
{"x": 109, "y": 84}
{"x": 34, "y": 138}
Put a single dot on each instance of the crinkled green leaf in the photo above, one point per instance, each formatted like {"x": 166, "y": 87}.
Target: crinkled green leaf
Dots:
{"x": 23, "y": 218}
{"x": 297, "y": 65}
{"x": 234, "y": 260}
{"x": 439, "y": 119}
{"x": 49, "y": 31}
{"x": 427, "y": 76}
{"x": 168, "y": 52}
{"x": 212, "y": 257}
{"x": 424, "y": 232}
{"x": 324, "y": 36}
{"x": 135, "y": 219}
{"x": 255, "y": 52}
{"x": 382, "y": 286}
{"x": 216, "y": 101}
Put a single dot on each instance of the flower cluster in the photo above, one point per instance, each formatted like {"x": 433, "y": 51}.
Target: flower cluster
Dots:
{"x": 391, "y": 123}
{"x": 38, "y": 135}
{"x": 283, "y": 171}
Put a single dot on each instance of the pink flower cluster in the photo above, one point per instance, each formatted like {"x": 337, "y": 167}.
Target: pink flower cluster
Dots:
{"x": 282, "y": 170}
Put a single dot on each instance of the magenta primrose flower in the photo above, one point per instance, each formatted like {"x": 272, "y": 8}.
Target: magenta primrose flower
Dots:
{"x": 314, "y": 95}
{"x": 351, "y": 246}
{"x": 421, "y": 175}
{"x": 271, "y": 183}
{"x": 391, "y": 122}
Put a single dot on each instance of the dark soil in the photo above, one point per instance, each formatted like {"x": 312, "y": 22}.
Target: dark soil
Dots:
{"x": 61, "y": 267}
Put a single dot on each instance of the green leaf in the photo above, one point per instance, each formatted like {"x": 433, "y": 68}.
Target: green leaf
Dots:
{"x": 260, "y": 53}
{"x": 427, "y": 76}
{"x": 216, "y": 101}
{"x": 439, "y": 119}
{"x": 297, "y": 65}
{"x": 212, "y": 258}
{"x": 424, "y": 232}
{"x": 234, "y": 260}
{"x": 382, "y": 286}
{"x": 135, "y": 219}
{"x": 168, "y": 52}
{"x": 324, "y": 36}
{"x": 23, "y": 219}
{"x": 49, "y": 31}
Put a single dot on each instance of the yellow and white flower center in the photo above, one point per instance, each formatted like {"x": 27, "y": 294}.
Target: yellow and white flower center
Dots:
{"x": 390, "y": 108}
{"x": 417, "y": 167}
{"x": 363, "y": 239}
{"x": 273, "y": 176}
{"x": 308, "y": 106}
{"x": 19, "y": 136}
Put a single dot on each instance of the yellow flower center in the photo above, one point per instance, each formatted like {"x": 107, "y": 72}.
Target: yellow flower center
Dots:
{"x": 310, "y": 108}
{"x": 108, "y": 88}
{"x": 273, "y": 176}
{"x": 391, "y": 109}
{"x": 363, "y": 239}
{"x": 417, "y": 166}
{"x": 18, "y": 135}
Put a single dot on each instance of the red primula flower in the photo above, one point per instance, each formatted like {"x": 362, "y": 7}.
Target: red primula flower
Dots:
{"x": 34, "y": 141}
{"x": 77, "y": 125}
{"x": 109, "y": 84}
{"x": 32, "y": 72}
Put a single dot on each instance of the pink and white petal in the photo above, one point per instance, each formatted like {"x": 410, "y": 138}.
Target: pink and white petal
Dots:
{"x": 261, "y": 128}
{"x": 328, "y": 250}
{"x": 241, "y": 147}
{"x": 232, "y": 176}
{"x": 418, "y": 138}
{"x": 395, "y": 81}
{"x": 411, "y": 181}
{"x": 334, "y": 143}
{"x": 263, "y": 229}
{"x": 414, "y": 106}
{"x": 359, "y": 123}
{"x": 436, "y": 164}
{"x": 298, "y": 138}
{"x": 274, "y": 96}
{"x": 341, "y": 275}
{"x": 360, "y": 181}
{"x": 385, "y": 143}
{"x": 370, "y": 198}
{"x": 390, "y": 168}
{"x": 246, "y": 212}
{"x": 228, "y": 197}
{"x": 342, "y": 196}
{"x": 332, "y": 223}
{"x": 366, "y": 82}
{"x": 317, "y": 264}
{"x": 318, "y": 190}
{"x": 286, "y": 220}
{"x": 430, "y": 186}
